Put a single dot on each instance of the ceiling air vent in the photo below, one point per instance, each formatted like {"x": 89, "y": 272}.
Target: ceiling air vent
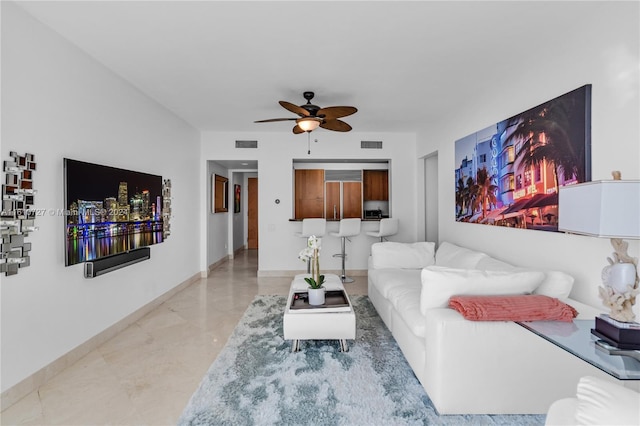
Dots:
{"x": 246, "y": 144}
{"x": 371, "y": 144}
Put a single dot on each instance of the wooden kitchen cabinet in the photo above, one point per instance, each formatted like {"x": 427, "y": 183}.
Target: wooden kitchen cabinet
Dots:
{"x": 343, "y": 200}
{"x": 351, "y": 200}
{"x": 332, "y": 204}
{"x": 309, "y": 193}
{"x": 375, "y": 185}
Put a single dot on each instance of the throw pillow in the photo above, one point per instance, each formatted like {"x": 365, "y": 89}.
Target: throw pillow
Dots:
{"x": 440, "y": 283}
{"x": 402, "y": 255}
{"x": 454, "y": 256}
{"x": 555, "y": 284}
{"x": 490, "y": 264}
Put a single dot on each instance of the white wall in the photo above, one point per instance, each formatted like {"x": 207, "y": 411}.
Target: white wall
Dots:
{"x": 278, "y": 246}
{"x": 601, "y": 48}
{"x": 216, "y": 245}
{"x": 58, "y": 102}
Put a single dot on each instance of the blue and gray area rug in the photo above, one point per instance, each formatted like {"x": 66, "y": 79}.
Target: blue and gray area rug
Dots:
{"x": 256, "y": 380}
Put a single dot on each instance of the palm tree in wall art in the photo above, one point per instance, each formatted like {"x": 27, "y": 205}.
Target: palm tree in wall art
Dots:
{"x": 484, "y": 192}
{"x": 545, "y": 134}
{"x": 464, "y": 197}
{"x": 509, "y": 173}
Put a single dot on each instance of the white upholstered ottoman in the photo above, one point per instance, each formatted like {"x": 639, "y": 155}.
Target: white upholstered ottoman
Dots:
{"x": 319, "y": 323}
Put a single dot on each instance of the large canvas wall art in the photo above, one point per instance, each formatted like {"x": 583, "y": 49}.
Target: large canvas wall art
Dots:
{"x": 508, "y": 174}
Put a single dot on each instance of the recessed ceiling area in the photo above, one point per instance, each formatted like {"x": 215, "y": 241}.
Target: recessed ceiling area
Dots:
{"x": 248, "y": 165}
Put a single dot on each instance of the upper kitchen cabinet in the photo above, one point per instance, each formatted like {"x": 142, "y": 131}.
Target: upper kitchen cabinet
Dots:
{"x": 375, "y": 185}
{"x": 338, "y": 189}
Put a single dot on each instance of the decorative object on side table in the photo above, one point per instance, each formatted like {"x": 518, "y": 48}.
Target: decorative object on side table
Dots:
{"x": 609, "y": 209}
{"x": 312, "y": 253}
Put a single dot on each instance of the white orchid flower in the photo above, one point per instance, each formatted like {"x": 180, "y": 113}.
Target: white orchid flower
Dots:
{"x": 314, "y": 242}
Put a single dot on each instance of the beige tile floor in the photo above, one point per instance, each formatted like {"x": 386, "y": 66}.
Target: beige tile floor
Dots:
{"x": 146, "y": 374}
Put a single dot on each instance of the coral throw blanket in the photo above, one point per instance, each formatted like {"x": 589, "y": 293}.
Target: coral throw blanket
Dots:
{"x": 528, "y": 307}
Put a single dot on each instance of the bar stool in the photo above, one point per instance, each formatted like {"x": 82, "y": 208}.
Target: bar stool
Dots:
{"x": 348, "y": 228}
{"x": 312, "y": 226}
{"x": 388, "y": 227}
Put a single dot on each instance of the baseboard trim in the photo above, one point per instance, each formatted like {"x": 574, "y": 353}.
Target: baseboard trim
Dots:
{"x": 215, "y": 265}
{"x": 40, "y": 377}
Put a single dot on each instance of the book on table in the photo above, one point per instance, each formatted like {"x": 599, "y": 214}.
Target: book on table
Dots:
{"x": 620, "y": 334}
{"x": 335, "y": 301}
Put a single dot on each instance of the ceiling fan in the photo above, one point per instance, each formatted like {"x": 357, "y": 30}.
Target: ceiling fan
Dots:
{"x": 312, "y": 116}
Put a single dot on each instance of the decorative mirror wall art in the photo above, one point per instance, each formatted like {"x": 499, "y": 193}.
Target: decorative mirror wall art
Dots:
{"x": 508, "y": 174}
{"x": 18, "y": 215}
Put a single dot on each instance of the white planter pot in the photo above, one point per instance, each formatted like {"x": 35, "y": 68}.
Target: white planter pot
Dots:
{"x": 316, "y": 296}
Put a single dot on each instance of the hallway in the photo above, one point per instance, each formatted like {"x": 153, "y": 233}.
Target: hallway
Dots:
{"x": 147, "y": 373}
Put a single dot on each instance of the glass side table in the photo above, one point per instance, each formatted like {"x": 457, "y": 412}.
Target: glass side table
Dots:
{"x": 576, "y": 338}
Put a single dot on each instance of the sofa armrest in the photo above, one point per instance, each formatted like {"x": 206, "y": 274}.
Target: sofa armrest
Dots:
{"x": 494, "y": 367}
{"x": 562, "y": 413}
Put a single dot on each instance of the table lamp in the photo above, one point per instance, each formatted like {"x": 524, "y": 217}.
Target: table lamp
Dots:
{"x": 609, "y": 209}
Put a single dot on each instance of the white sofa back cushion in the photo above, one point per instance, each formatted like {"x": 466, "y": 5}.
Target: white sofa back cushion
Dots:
{"x": 402, "y": 255}
{"x": 490, "y": 264}
{"x": 440, "y": 283}
{"x": 454, "y": 256}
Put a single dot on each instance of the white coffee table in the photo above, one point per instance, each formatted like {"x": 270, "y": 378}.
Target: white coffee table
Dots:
{"x": 338, "y": 323}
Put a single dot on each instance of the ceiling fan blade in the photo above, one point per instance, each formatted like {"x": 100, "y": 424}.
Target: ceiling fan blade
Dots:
{"x": 294, "y": 108}
{"x": 271, "y": 120}
{"x": 297, "y": 130}
{"x": 336, "y": 125}
{"x": 336, "y": 112}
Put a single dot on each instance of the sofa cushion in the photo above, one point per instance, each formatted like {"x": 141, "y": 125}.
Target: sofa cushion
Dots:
{"x": 601, "y": 402}
{"x": 454, "y": 256}
{"x": 402, "y": 255}
{"x": 406, "y": 302}
{"x": 490, "y": 264}
{"x": 555, "y": 284}
{"x": 386, "y": 279}
{"x": 440, "y": 283}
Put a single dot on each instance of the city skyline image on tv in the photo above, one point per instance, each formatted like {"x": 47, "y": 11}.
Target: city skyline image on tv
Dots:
{"x": 109, "y": 210}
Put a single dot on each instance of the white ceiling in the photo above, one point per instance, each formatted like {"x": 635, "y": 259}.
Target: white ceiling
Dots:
{"x": 222, "y": 65}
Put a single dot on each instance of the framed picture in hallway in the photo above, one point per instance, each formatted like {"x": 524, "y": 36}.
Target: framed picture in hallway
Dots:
{"x": 509, "y": 173}
{"x": 219, "y": 185}
{"x": 236, "y": 198}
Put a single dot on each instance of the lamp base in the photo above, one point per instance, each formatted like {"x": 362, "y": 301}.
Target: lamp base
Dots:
{"x": 620, "y": 279}
{"x": 621, "y": 305}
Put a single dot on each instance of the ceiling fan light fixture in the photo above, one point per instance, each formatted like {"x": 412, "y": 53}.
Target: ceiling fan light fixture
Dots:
{"x": 308, "y": 124}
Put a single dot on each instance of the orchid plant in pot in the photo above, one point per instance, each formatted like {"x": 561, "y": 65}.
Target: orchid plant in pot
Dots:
{"x": 311, "y": 253}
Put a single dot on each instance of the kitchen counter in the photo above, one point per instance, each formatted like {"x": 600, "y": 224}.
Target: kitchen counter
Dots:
{"x": 338, "y": 220}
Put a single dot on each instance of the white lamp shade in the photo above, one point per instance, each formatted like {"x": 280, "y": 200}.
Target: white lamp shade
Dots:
{"x": 607, "y": 208}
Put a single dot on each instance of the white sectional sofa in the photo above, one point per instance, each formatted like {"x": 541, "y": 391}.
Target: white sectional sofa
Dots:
{"x": 472, "y": 367}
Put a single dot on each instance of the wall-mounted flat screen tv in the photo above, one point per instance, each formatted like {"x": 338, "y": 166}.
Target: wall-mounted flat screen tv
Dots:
{"x": 109, "y": 210}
